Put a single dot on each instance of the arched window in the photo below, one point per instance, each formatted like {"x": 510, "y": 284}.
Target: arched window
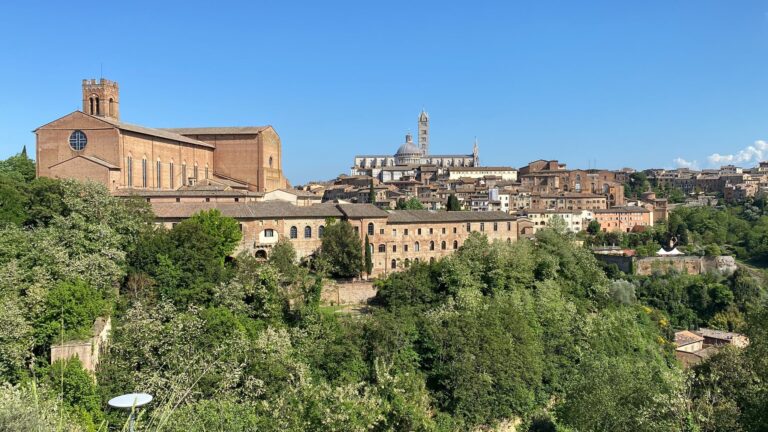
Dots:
{"x": 431, "y": 245}
{"x": 184, "y": 178}
{"x": 158, "y": 174}
{"x": 417, "y": 247}
{"x": 270, "y": 161}
{"x": 407, "y": 263}
{"x": 394, "y": 264}
{"x": 455, "y": 244}
{"x": 261, "y": 254}
{"x": 91, "y": 111}
{"x": 443, "y": 245}
{"x": 321, "y": 231}
{"x": 194, "y": 172}
{"x": 144, "y": 172}
{"x": 370, "y": 228}
{"x": 98, "y": 108}
{"x": 307, "y": 232}
{"x": 294, "y": 233}
{"x": 111, "y": 107}
{"x": 130, "y": 171}
{"x": 382, "y": 248}
{"x": 170, "y": 175}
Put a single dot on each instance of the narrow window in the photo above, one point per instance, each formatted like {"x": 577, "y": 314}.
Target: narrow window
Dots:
{"x": 405, "y": 248}
{"x": 143, "y": 173}
{"x": 320, "y": 231}
{"x": 111, "y": 107}
{"x": 394, "y": 248}
{"x": 394, "y": 264}
{"x": 431, "y": 245}
{"x": 455, "y": 244}
{"x": 443, "y": 230}
{"x": 417, "y": 247}
{"x": 170, "y": 175}
{"x": 206, "y": 171}
{"x": 469, "y": 227}
{"x": 184, "y": 179}
{"x": 294, "y": 232}
{"x": 194, "y": 174}
{"x": 482, "y": 226}
{"x": 158, "y": 175}
{"x": 307, "y": 232}
{"x": 91, "y": 99}
{"x": 418, "y": 231}
{"x": 495, "y": 226}
{"x": 455, "y": 230}
{"x": 443, "y": 245}
{"x": 370, "y": 228}
{"x": 130, "y": 171}
{"x": 98, "y": 108}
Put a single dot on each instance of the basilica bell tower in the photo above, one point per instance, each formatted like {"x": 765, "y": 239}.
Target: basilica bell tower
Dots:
{"x": 101, "y": 98}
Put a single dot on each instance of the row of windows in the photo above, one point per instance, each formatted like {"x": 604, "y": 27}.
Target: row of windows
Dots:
{"x": 159, "y": 173}
{"x": 443, "y": 230}
{"x": 294, "y": 232}
{"x": 417, "y": 246}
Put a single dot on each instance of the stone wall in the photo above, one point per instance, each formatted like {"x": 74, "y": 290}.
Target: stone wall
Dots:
{"x": 89, "y": 351}
{"x": 347, "y": 293}
{"x": 685, "y": 264}
{"x": 693, "y": 265}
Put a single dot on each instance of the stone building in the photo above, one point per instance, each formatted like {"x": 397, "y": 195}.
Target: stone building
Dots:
{"x": 624, "y": 219}
{"x": 397, "y": 238}
{"x": 409, "y": 156}
{"x": 94, "y": 144}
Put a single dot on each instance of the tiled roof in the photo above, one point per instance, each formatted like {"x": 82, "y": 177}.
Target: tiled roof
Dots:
{"x": 716, "y": 334}
{"x": 89, "y": 158}
{"x": 160, "y": 133}
{"x": 413, "y": 216}
{"x": 460, "y": 169}
{"x": 626, "y": 209}
{"x": 686, "y": 337}
{"x": 236, "y": 130}
{"x": 186, "y": 193}
{"x": 267, "y": 210}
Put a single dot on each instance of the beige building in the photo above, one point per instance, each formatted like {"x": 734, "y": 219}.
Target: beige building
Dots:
{"x": 94, "y": 144}
{"x": 575, "y": 221}
{"x": 504, "y": 173}
{"x": 624, "y": 219}
{"x": 397, "y": 238}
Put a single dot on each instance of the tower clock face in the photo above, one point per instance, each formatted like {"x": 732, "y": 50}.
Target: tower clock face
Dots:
{"x": 77, "y": 140}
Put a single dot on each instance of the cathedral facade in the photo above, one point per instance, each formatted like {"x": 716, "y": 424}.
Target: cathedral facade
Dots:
{"x": 410, "y": 155}
{"x": 94, "y": 144}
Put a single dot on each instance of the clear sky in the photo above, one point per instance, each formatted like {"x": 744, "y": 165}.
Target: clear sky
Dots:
{"x": 606, "y": 83}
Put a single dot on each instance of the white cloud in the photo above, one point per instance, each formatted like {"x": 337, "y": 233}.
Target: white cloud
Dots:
{"x": 755, "y": 153}
{"x": 682, "y": 163}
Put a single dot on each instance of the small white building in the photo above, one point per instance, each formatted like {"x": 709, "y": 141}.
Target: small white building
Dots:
{"x": 476, "y": 172}
{"x": 575, "y": 221}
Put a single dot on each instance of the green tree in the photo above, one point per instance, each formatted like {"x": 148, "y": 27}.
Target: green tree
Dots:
{"x": 78, "y": 391}
{"x": 19, "y": 166}
{"x": 453, "y": 203}
{"x": 225, "y": 230}
{"x": 593, "y": 227}
{"x": 70, "y": 308}
{"x": 371, "y": 193}
{"x": 283, "y": 257}
{"x": 13, "y": 201}
{"x": 411, "y": 203}
{"x": 342, "y": 249}
{"x": 368, "y": 258}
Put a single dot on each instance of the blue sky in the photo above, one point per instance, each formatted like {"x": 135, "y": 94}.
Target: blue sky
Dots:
{"x": 606, "y": 83}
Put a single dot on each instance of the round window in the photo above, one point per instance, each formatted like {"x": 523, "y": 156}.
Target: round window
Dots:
{"x": 77, "y": 140}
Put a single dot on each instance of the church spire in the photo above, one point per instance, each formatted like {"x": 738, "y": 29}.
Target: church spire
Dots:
{"x": 475, "y": 154}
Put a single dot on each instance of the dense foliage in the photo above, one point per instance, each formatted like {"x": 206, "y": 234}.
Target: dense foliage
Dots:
{"x": 533, "y": 335}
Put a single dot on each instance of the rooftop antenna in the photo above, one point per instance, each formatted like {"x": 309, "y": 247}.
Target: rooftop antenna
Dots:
{"x": 131, "y": 401}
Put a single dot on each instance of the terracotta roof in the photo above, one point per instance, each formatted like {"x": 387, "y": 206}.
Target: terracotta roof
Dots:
{"x": 412, "y": 216}
{"x": 686, "y": 337}
{"x": 235, "y": 130}
{"x": 186, "y": 193}
{"x": 626, "y": 209}
{"x": 717, "y": 334}
{"x": 267, "y": 210}
{"x": 160, "y": 133}
{"x": 481, "y": 169}
{"x": 299, "y": 193}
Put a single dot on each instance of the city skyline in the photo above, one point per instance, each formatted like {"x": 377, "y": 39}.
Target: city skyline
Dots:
{"x": 590, "y": 87}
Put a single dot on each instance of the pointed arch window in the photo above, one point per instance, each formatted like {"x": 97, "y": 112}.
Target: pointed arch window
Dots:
{"x": 129, "y": 166}
{"x": 158, "y": 174}
{"x": 144, "y": 172}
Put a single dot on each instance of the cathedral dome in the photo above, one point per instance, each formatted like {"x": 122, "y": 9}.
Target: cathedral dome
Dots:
{"x": 408, "y": 149}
